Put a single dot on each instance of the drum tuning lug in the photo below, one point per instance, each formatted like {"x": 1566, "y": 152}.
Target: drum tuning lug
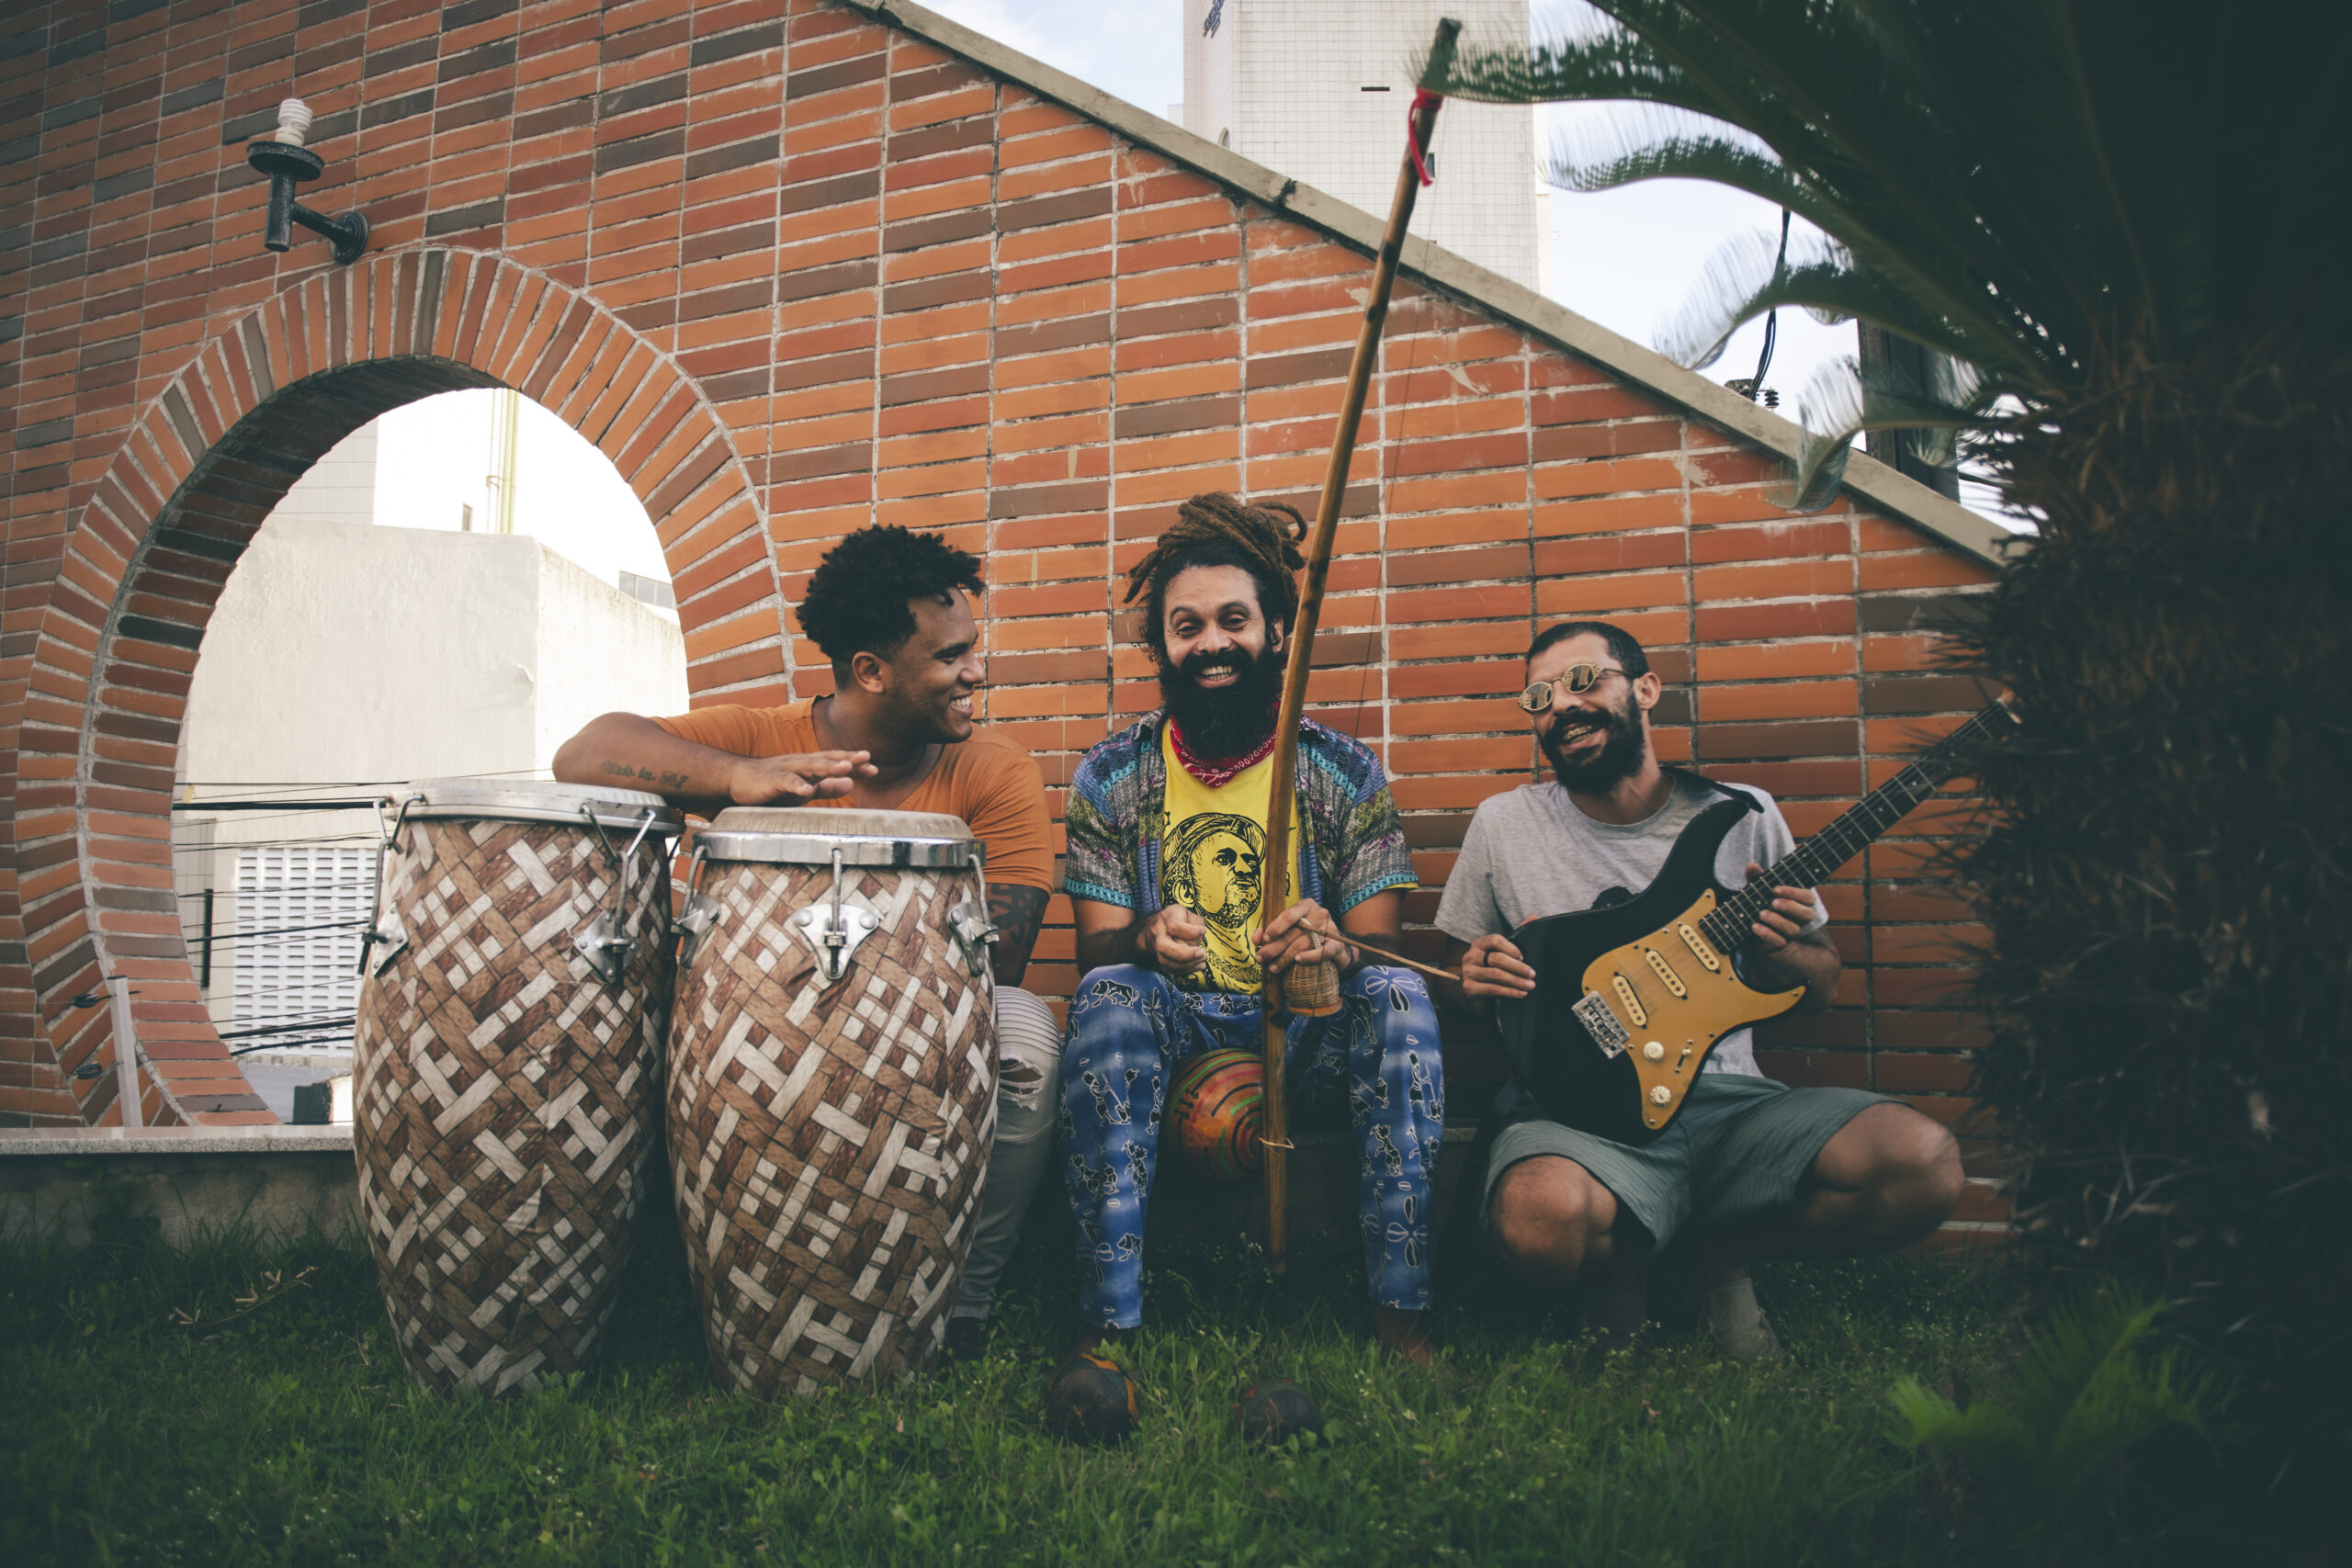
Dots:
{"x": 605, "y": 946}
{"x": 386, "y": 943}
{"x": 834, "y": 930}
{"x": 834, "y": 927}
{"x": 969, "y": 923}
{"x": 693, "y": 922}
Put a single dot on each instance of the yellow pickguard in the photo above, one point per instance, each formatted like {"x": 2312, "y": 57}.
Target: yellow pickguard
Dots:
{"x": 1677, "y": 996}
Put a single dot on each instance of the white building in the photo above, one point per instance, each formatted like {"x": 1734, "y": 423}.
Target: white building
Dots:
{"x": 344, "y": 659}
{"x": 1318, "y": 89}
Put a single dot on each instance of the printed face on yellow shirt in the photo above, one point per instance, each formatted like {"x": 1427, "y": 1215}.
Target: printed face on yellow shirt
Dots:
{"x": 1215, "y": 860}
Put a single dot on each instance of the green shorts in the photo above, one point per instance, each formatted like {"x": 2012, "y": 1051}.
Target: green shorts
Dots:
{"x": 1739, "y": 1146}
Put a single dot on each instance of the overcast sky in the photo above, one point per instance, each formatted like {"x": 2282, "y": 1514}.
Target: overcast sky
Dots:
{"x": 1626, "y": 258}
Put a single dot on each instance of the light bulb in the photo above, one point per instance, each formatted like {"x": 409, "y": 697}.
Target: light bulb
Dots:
{"x": 293, "y": 122}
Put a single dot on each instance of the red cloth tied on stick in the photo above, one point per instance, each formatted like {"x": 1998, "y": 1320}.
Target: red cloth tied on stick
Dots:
{"x": 1412, "y": 143}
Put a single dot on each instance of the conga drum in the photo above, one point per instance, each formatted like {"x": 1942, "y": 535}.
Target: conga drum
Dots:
{"x": 505, "y": 1069}
{"x": 833, "y": 1088}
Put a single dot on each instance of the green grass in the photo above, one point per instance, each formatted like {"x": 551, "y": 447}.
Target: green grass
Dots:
{"x": 290, "y": 1434}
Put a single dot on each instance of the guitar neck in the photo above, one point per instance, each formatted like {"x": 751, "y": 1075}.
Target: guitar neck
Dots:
{"x": 1813, "y": 862}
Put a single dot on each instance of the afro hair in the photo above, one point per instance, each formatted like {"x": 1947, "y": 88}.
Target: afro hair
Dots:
{"x": 859, "y": 599}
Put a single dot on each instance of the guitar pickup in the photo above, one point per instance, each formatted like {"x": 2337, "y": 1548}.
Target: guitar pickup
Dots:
{"x": 1633, "y": 1007}
{"x": 1666, "y": 973}
{"x": 1601, "y": 1025}
{"x": 1699, "y": 948}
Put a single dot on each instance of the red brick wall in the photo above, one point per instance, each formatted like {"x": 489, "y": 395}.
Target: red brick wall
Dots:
{"x": 796, "y": 271}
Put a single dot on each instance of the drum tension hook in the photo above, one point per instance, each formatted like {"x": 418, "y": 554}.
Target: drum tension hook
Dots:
{"x": 384, "y": 929}
{"x": 969, "y": 923}
{"x": 701, "y": 911}
{"x": 834, "y": 927}
{"x": 605, "y": 942}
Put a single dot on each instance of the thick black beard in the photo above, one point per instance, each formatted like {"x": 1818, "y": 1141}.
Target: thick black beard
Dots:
{"x": 1229, "y": 721}
{"x": 1619, "y": 759}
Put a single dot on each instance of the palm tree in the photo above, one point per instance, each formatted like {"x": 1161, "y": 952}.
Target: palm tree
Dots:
{"x": 2123, "y": 224}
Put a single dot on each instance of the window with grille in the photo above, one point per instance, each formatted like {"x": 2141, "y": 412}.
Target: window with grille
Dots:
{"x": 299, "y": 911}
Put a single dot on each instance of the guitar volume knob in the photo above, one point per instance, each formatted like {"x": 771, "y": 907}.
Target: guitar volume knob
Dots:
{"x": 1654, "y": 1052}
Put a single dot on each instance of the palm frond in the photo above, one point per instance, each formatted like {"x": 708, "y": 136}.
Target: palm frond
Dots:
{"x": 1654, "y": 142}
{"x": 1747, "y": 276}
{"x": 1845, "y": 398}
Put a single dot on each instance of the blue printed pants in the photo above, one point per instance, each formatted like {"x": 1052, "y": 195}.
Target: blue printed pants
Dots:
{"x": 1130, "y": 1028}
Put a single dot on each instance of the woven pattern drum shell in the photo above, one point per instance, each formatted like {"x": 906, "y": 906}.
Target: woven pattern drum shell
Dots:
{"x": 1220, "y": 1109}
{"x": 827, "y": 1142}
{"x": 505, "y": 1098}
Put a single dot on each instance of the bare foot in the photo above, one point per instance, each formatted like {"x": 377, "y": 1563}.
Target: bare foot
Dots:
{"x": 1403, "y": 1333}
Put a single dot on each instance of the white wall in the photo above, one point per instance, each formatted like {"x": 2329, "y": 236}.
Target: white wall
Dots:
{"x": 349, "y": 659}
{"x": 339, "y": 486}
{"x": 345, "y": 651}
{"x": 599, "y": 650}
{"x": 1288, "y": 77}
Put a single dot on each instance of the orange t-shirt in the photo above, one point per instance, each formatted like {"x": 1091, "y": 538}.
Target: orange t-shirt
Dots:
{"x": 996, "y": 787}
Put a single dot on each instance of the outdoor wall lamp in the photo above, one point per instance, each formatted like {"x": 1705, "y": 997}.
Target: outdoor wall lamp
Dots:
{"x": 285, "y": 160}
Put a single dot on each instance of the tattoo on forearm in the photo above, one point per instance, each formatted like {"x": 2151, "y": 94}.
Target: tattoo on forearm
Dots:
{"x": 670, "y": 781}
{"x": 1016, "y": 912}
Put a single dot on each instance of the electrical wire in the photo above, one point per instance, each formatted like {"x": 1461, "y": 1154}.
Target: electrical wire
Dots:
{"x": 219, "y": 935}
{"x": 251, "y": 786}
{"x": 1753, "y": 389}
{"x": 223, "y": 848}
{"x": 280, "y": 892}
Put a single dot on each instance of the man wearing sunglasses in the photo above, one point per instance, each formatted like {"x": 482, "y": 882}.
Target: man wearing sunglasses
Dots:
{"x": 1750, "y": 1168}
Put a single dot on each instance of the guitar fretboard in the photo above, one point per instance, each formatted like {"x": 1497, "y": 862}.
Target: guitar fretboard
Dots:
{"x": 1812, "y": 863}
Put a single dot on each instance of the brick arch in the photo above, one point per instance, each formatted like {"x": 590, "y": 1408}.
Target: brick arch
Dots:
{"x": 145, "y": 558}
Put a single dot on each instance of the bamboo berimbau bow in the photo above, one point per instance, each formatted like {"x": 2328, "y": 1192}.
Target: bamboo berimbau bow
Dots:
{"x": 1274, "y": 869}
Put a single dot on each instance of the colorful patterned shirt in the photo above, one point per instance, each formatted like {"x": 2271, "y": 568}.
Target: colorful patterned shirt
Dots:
{"x": 1353, "y": 848}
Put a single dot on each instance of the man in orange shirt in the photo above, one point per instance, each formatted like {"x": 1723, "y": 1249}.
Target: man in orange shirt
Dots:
{"x": 888, "y": 607}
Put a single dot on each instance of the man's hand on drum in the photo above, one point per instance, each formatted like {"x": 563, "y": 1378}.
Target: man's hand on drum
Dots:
{"x": 1172, "y": 940}
{"x": 791, "y": 780}
{"x": 1304, "y": 933}
{"x": 1495, "y": 969}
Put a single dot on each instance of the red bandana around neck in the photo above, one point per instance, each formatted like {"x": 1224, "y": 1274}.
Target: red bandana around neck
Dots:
{"x": 1217, "y": 774}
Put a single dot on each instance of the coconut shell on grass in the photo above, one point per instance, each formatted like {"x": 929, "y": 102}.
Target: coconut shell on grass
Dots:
{"x": 1274, "y": 1410}
{"x": 1091, "y": 1400}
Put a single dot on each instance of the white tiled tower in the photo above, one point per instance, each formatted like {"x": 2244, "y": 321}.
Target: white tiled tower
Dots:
{"x": 1317, "y": 89}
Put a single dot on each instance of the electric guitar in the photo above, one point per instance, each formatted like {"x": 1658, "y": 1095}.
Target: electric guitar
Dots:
{"x": 1629, "y": 998}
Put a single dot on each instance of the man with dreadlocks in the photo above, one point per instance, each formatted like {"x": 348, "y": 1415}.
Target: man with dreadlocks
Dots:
{"x": 1167, "y": 825}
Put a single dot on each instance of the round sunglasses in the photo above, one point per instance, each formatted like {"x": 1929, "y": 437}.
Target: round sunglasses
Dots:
{"x": 1578, "y": 679}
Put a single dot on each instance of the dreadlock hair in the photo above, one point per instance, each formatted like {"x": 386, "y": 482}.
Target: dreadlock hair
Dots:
{"x": 856, "y": 601}
{"x": 1221, "y": 529}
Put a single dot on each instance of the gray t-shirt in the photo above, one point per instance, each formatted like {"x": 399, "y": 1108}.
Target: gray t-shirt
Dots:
{"x": 1531, "y": 853}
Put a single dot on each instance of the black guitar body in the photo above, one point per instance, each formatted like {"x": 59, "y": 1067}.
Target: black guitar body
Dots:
{"x": 1579, "y": 1083}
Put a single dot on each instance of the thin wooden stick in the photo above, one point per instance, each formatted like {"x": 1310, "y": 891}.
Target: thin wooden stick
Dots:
{"x": 1431, "y": 970}
{"x": 1274, "y": 869}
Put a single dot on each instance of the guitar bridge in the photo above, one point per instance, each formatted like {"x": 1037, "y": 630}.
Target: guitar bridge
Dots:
{"x": 1601, "y": 1025}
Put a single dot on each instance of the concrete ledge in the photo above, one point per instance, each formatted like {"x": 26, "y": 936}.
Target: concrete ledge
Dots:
{"x": 193, "y": 1183}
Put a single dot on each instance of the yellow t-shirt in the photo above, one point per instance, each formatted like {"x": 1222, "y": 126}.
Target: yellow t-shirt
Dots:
{"x": 1211, "y": 843}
